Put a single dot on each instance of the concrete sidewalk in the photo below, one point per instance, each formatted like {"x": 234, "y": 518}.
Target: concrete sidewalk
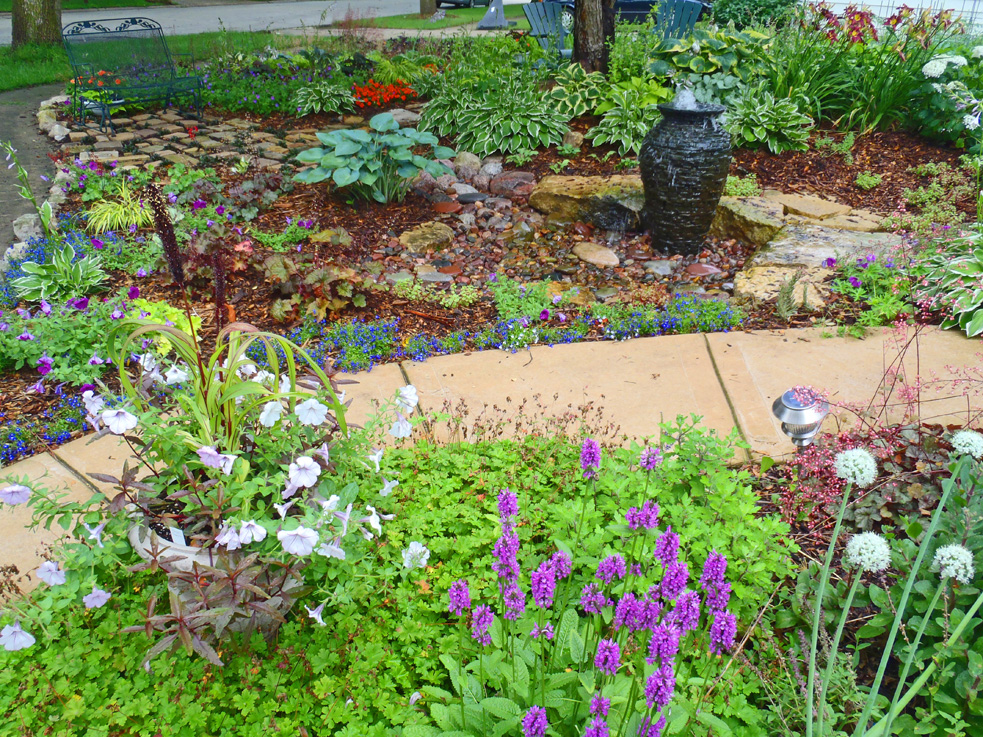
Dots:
{"x": 730, "y": 379}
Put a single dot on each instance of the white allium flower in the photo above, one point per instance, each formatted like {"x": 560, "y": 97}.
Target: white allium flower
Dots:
{"x": 49, "y": 573}
{"x": 304, "y": 472}
{"x": 14, "y": 494}
{"x": 971, "y": 122}
{"x": 856, "y": 466}
{"x": 229, "y": 538}
{"x": 967, "y": 442}
{"x": 977, "y": 52}
{"x": 416, "y": 555}
{"x": 119, "y": 421}
{"x": 954, "y": 561}
{"x": 315, "y": 613}
{"x": 408, "y": 398}
{"x": 175, "y": 375}
{"x": 270, "y": 414}
{"x": 401, "y": 427}
{"x": 12, "y": 637}
{"x": 868, "y": 551}
{"x": 250, "y": 531}
{"x": 934, "y": 68}
{"x": 298, "y": 542}
{"x": 311, "y": 412}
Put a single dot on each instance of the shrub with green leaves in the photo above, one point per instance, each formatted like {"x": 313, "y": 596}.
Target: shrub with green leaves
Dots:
{"x": 577, "y": 93}
{"x": 60, "y": 279}
{"x": 375, "y": 164}
{"x": 707, "y": 51}
{"x": 743, "y": 13}
{"x": 322, "y": 97}
{"x": 948, "y": 278}
{"x": 757, "y": 118}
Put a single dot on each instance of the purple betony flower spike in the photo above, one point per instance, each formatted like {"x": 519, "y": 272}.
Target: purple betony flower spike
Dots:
{"x": 592, "y": 599}
{"x": 675, "y": 578}
{"x": 562, "y": 564}
{"x": 608, "y": 657}
{"x": 650, "y": 459}
{"x": 534, "y": 723}
{"x": 600, "y": 706}
{"x": 590, "y": 458}
{"x": 667, "y": 547}
{"x": 664, "y": 644}
{"x": 686, "y": 614}
{"x": 515, "y": 601}
{"x": 508, "y": 505}
{"x": 481, "y": 622}
{"x": 722, "y": 632}
{"x": 544, "y": 585}
{"x": 460, "y": 597}
{"x": 611, "y": 568}
{"x": 660, "y": 686}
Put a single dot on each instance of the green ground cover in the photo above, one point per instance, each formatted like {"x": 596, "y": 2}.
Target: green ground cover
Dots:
{"x": 453, "y": 17}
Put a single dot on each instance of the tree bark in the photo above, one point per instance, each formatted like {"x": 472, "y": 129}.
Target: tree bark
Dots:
{"x": 35, "y": 21}
{"x": 428, "y": 7}
{"x": 593, "y": 30}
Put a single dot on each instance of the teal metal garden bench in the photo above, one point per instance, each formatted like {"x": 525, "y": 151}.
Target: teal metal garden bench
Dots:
{"x": 124, "y": 60}
{"x": 547, "y": 27}
{"x": 677, "y": 18}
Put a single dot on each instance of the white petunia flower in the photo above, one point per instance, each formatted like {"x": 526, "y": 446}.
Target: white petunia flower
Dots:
{"x": 332, "y": 550}
{"x": 271, "y": 414}
{"x": 954, "y": 561}
{"x": 14, "y": 494}
{"x": 868, "y": 551}
{"x": 263, "y": 377}
{"x": 282, "y": 509}
{"x": 408, "y": 398}
{"x": 315, "y": 613}
{"x": 311, "y": 412}
{"x": 856, "y": 466}
{"x": 250, "y": 531}
{"x": 401, "y": 427}
{"x": 967, "y": 442}
{"x": 298, "y": 542}
{"x": 119, "y": 421}
{"x": 372, "y": 520}
{"x": 388, "y": 486}
{"x": 175, "y": 375}
{"x": 416, "y": 555}
{"x": 304, "y": 472}
{"x": 213, "y": 459}
{"x": 246, "y": 370}
{"x": 50, "y": 574}
{"x": 229, "y": 538}
{"x": 95, "y": 533}
{"x": 13, "y": 638}
{"x": 96, "y": 599}
{"x": 285, "y": 386}
{"x": 376, "y": 457}
{"x": 94, "y": 404}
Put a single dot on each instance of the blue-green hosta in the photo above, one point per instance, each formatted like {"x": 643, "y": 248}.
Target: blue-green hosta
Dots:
{"x": 377, "y": 163}
{"x": 950, "y": 280}
{"x": 61, "y": 279}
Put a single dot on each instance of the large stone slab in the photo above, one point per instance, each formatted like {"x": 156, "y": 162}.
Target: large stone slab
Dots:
{"x": 761, "y": 283}
{"x": 19, "y": 546}
{"x": 373, "y": 390}
{"x": 97, "y": 455}
{"x": 806, "y": 206}
{"x": 810, "y": 245}
{"x": 636, "y": 384}
{"x": 431, "y": 236}
{"x": 612, "y": 203}
{"x": 754, "y": 220}
{"x": 755, "y": 368}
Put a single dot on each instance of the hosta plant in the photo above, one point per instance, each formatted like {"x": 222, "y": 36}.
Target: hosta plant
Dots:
{"x": 757, "y": 118}
{"x": 577, "y": 93}
{"x": 375, "y": 164}
{"x": 326, "y": 97}
{"x": 629, "y": 111}
{"x": 707, "y": 52}
{"x": 948, "y": 280}
{"x": 63, "y": 278}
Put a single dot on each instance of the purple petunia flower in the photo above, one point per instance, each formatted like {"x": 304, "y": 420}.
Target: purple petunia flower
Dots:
{"x": 25, "y": 336}
{"x": 460, "y": 597}
{"x": 133, "y": 292}
{"x": 96, "y": 599}
{"x": 141, "y": 273}
{"x": 722, "y": 632}
{"x": 481, "y": 622}
{"x": 664, "y": 644}
{"x": 220, "y": 210}
{"x": 650, "y": 459}
{"x": 829, "y": 263}
{"x": 44, "y": 364}
{"x": 562, "y": 564}
{"x": 543, "y": 585}
{"x": 855, "y": 282}
{"x": 608, "y": 657}
{"x": 81, "y": 303}
{"x": 534, "y": 723}
{"x": 667, "y": 547}
{"x": 198, "y": 205}
{"x": 660, "y": 686}
{"x": 97, "y": 244}
{"x": 172, "y": 198}
{"x": 610, "y": 568}
{"x": 45, "y": 308}
{"x": 592, "y": 600}
{"x": 590, "y": 458}
{"x": 544, "y": 315}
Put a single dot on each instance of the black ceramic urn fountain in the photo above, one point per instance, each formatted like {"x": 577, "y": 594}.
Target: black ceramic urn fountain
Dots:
{"x": 684, "y": 161}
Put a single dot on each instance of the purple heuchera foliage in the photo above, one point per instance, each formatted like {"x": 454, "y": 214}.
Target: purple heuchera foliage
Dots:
{"x": 608, "y": 657}
{"x": 534, "y": 723}
{"x": 667, "y": 547}
{"x": 590, "y": 458}
{"x": 722, "y": 632}
{"x": 660, "y": 686}
{"x": 481, "y": 621}
{"x": 460, "y": 597}
{"x": 611, "y": 568}
{"x": 543, "y": 585}
{"x": 592, "y": 599}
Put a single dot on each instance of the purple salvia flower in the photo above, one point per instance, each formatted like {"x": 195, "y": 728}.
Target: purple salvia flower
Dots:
{"x": 592, "y": 600}
{"x": 651, "y": 458}
{"x": 722, "y": 632}
{"x": 590, "y": 458}
{"x": 667, "y": 547}
{"x": 562, "y": 564}
{"x": 534, "y": 723}
{"x": 686, "y": 614}
{"x": 664, "y": 644}
{"x": 660, "y": 686}
{"x": 600, "y": 705}
{"x": 460, "y": 597}
{"x": 608, "y": 657}
{"x": 674, "y": 581}
{"x": 610, "y": 568}
{"x": 481, "y": 622}
{"x": 515, "y": 602}
{"x": 543, "y": 585}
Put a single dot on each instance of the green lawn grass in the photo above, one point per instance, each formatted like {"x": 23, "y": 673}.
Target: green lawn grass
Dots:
{"x": 5, "y": 5}
{"x": 33, "y": 65}
{"x": 454, "y": 17}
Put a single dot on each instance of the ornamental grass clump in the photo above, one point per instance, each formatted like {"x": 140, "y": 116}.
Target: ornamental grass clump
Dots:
{"x": 578, "y": 647}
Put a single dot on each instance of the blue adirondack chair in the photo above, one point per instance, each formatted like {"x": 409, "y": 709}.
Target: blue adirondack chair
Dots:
{"x": 544, "y": 20}
{"x": 677, "y": 18}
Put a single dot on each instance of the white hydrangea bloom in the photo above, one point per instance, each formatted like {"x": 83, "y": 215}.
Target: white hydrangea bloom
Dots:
{"x": 934, "y": 68}
{"x": 977, "y": 52}
{"x": 868, "y": 551}
{"x": 967, "y": 442}
{"x": 954, "y": 561}
{"x": 856, "y": 466}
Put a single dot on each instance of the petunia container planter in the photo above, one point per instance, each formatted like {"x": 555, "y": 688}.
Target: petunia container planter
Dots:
{"x": 684, "y": 161}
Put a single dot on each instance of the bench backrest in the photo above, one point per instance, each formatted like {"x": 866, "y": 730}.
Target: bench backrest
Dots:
{"x": 132, "y": 50}
{"x": 677, "y": 18}
{"x": 544, "y": 20}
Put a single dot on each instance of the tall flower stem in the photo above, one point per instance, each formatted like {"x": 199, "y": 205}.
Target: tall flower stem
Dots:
{"x": 827, "y": 677}
{"x": 817, "y": 614}
{"x": 576, "y": 544}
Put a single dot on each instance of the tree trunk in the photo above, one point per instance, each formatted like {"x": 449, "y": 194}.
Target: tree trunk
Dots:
{"x": 36, "y": 21}
{"x": 428, "y": 7}
{"x": 593, "y": 30}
